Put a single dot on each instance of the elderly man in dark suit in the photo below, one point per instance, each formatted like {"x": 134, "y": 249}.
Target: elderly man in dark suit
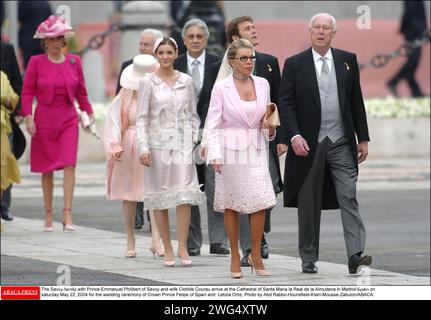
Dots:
{"x": 197, "y": 62}
{"x": 9, "y": 65}
{"x": 266, "y": 66}
{"x": 322, "y": 112}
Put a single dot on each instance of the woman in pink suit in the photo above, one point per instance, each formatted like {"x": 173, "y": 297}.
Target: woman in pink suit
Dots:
{"x": 237, "y": 149}
{"x": 56, "y": 80}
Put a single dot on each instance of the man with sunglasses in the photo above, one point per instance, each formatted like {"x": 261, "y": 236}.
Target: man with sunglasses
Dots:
{"x": 266, "y": 66}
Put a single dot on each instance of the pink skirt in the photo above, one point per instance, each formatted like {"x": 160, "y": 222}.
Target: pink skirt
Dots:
{"x": 244, "y": 185}
{"x": 126, "y": 176}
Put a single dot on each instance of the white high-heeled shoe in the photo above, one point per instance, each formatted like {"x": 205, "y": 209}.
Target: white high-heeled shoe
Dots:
{"x": 169, "y": 263}
{"x": 50, "y": 228}
{"x": 67, "y": 227}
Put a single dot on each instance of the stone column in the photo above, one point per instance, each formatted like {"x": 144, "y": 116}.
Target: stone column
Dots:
{"x": 137, "y": 16}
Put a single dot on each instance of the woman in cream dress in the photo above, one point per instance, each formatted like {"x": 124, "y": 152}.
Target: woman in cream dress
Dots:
{"x": 167, "y": 129}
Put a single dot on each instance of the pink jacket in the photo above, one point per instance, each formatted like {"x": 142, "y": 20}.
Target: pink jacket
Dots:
{"x": 39, "y": 82}
{"x": 227, "y": 125}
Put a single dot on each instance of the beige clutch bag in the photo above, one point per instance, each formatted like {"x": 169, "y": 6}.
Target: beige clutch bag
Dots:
{"x": 272, "y": 116}
{"x": 88, "y": 126}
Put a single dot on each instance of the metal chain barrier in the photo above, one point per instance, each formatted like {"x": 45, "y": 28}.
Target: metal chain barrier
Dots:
{"x": 98, "y": 40}
{"x": 380, "y": 60}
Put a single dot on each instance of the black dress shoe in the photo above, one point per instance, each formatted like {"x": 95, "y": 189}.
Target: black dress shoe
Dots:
{"x": 264, "y": 251}
{"x": 6, "y": 214}
{"x": 244, "y": 260}
{"x": 356, "y": 260}
{"x": 194, "y": 252}
{"x": 218, "y": 248}
{"x": 309, "y": 267}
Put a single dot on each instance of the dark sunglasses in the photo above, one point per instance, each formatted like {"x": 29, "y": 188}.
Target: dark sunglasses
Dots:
{"x": 245, "y": 58}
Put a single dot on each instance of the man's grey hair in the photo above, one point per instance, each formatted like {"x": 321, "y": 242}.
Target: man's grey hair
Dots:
{"x": 334, "y": 23}
{"x": 154, "y": 32}
{"x": 196, "y": 23}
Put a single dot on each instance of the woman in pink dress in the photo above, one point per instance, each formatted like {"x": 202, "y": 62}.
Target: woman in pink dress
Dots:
{"x": 56, "y": 80}
{"x": 238, "y": 151}
{"x": 125, "y": 173}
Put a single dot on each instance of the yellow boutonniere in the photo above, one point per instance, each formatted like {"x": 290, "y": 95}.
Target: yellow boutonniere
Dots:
{"x": 269, "y": 68}
{"x": 347, "y": 66}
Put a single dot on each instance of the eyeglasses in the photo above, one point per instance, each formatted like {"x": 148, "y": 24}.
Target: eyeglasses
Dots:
{"x": 245, "y": 58}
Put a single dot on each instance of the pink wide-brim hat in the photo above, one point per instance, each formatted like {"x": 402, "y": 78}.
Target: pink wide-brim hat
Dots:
{"x": 52, "y": 27}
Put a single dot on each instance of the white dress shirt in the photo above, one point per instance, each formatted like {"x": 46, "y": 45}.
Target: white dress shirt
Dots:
{"x": 318, "y": 62}
{"x": 318, "y": 65}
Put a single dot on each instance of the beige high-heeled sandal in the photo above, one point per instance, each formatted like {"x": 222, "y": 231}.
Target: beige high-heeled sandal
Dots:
{"x": 131, "y": 254}
{"x": 159, "y": 253}
{"x": 48, "y": 228}
{"x": 236, "y": 275}
{"x": 67, "y": 227}
{"x": 185, "y": 262}
{"x": 261, "y": 273}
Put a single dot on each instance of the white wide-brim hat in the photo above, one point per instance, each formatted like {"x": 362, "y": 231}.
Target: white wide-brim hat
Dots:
{"x": 142, "y": 65}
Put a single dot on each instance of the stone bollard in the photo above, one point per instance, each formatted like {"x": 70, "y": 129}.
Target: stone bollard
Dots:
{"x": 137, "y": 16}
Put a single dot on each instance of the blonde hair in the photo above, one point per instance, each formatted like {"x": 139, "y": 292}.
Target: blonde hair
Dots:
{"x": 238, "y": 44}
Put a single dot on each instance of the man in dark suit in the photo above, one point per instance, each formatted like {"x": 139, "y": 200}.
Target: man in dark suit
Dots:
{"x": 197, "y": 63}
{"x": 322, "y": 113}
{"x": 413, "y": 26}
{"x": 146, "y": 44}
{"x": 9, "y": 65}
{"x": 30, "y": 15}
{"x": 266, "y": 66}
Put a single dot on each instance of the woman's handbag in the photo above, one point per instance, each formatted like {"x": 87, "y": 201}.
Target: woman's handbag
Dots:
{"x": 272, "y": 116}
{"x": 88, "y": 126}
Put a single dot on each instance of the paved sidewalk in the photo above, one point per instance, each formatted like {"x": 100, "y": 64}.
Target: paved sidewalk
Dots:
{"x": 374, "y": 174}
{"x": 104, "y": 251}
{"x": 96, "y": 248}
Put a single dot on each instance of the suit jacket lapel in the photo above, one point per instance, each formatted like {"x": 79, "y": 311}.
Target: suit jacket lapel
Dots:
{"x": 340, "y": 71}
{"x": 261, "y": 101}
{"x": 182, "y": 63}
{"x": 260, "y": 65}
{"x": 311, "y": 78}
{"x": 235, "y": 100}
{"x": 67, "y": 72}
{"x": 207, "y": 70}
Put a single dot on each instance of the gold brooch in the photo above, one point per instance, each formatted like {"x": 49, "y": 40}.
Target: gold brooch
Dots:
{"x": 269, "y": 68}
{"x": 347, "y": 66}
